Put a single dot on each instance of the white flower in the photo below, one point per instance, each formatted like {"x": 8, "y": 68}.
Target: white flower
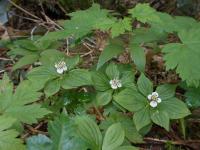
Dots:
{"x": 115, "y": 83}
{"x": 149, "y": 97}
{"x": 159, "y": 100}
{"x": 61, "y": 67}
{"x": 155, "y": 94}
{"x": 153, "y": 104}
{"x": 154, "y": 99}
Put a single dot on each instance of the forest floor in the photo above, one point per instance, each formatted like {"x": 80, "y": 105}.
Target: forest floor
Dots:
{"x": 28, "y": 19}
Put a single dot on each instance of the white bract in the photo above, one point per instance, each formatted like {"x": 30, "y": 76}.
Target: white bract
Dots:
{"x": 61, "y": 67}
{"x": 154, "y": 99}
{"x": 115, "y": 83}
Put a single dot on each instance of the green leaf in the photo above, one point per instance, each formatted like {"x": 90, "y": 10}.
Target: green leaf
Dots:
{"x": 89, "y": 131}
{"x": 127, "y": 123}
{"x": 160, "y": 118}
{"x": 145, "y": 85}
{"x": 114, "y": 48}
{"x": 8, "y": 137}
{"x": 112, "y": 71}
{"x": 19, "y": 105}
{"x": 72, "y": 61}
{"x": 193, "y": 97}
{"x": 26, "y": 60}
{"x": 175, "y": 108}
{"x": 82, "y": 23}
{"x": 39, "y": 142}
{"x": 144, "y": 13}
{"x": 114, "y": 137}
{"x": 184, "y": 23}
{"x": 50, "y": 57}
{"x": 121, "y": 26}
{"x": 6, "y": 92}
{"x": 42, "y": 72}
{"x": 130, "y": 100}
{"x": 103, "y": 98}
{"x": 138, "y": 56}
{"x": 178, "y": 56}
{"x": 143, "y": 35}
{"x": 25, "y": 94}
{"x": 28, "y": 113}
{"x": 100, "y": 81}
{"x": 61, "y": 131}
{"x": 166, "y": 91}
{"x": 27, "y": 44}
{"x": 128, "y": 79}
{"x": 126, "y": 148}
{"x": 131, "y": 132}
{"x": 52, "y": 87}
{"x": 142, "y": 118}
{"x": 166, "y": 24}
{"x": 76, "y": 78}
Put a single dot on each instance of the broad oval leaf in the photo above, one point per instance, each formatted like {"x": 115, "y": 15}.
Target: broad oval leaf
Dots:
{"x": 26, "y": 60}
{"x": 103, "y": 98}
{"x": 88, "y": 130}
{"x": 142, "y": 118}
{"x": 114, "y": 137}
{"x": 52, "y": 87}
{"x": 138, "y": 56}
{"x": 100, "y": 81}
{"x": 112, "y": 71}
{"x": 145, "y": 85}
{"x": 160, "y": 118}
{"x": 130, "y": 100}
{"x": 76, "y": 78}
{"x": 175, "y": 108}
{"x": 114, "y": 48}
{"x": 166, "y": 91}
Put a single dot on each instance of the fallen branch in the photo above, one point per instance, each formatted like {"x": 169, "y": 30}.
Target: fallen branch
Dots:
{"x": 179, "y": 142}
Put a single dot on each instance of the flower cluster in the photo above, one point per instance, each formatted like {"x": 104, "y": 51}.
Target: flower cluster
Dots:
{"x": 154, "y": 99}
{"x": 61, "y": 67}
{"x": 115, "y": 83}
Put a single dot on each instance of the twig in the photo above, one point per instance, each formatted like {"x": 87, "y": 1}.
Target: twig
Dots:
{"x": 193, "y": 120}
{"x": 34, "y": 20}
{"x": 51, "y": 21}
{"x": 10, "y": 1}
{"x": 2, "y": 71}
{"x": 91, "y": 50}
{"x": 34, "y": 130}
{"x": 99, "y": 113}
{"x": 67, "y": 48}
{"x": 61, "y": 8}
{"x": 180, "y": 142}
{"x": 32, "y": 32}
{"x": 1, "y": 58}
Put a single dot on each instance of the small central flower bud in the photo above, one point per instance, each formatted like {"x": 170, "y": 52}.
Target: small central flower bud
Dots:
{"x": 60, "y": 67}
{"x": 115, "y": 83}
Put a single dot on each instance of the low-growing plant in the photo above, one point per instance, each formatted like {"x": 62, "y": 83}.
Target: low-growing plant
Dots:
{"x": 17, "y": 108}
{"x": 29, "y": 51}
{"x": 123, "y": 101}
{"x": 111, "y": 81}
{"x": 58, "y": 71}
{"x": 149, "y": 106}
